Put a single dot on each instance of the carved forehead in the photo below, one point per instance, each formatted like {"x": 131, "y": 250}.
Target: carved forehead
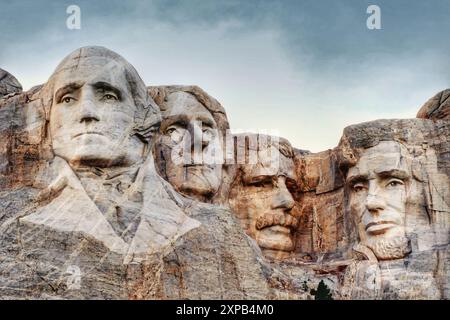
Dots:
{"x": 384, "y": 157}
{"x": 270, "y": 162}
{"x": 96, "y": 55}
{"x": 97, "y": 64}
{"x": 89, "y": 71}
{"x": 184, "y": 104}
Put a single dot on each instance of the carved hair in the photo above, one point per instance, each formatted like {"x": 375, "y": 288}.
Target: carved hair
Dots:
{"x": 284, "y": 146}
{"x": 437, "y": 107}
{"x": 147, "y": 116}
{"x": 160, "y": 95}
{"x": 263, "y": 141}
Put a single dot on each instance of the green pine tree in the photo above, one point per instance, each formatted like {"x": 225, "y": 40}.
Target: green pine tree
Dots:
{"x": 322, "y": 292}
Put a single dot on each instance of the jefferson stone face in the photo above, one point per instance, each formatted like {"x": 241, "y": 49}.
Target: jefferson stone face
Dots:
{"x": 191, "y": 146}
{"x": 379, "y": 187}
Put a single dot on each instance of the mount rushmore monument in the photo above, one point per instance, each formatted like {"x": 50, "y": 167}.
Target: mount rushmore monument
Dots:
{"x": 111, "y": 188}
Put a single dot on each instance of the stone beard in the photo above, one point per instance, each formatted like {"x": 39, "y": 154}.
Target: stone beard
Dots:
{"x": 392, "y": 248}
{"x": 380, "y": 188}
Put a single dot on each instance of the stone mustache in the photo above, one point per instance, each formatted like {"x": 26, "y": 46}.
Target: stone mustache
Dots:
{"x": 112, "y": 189}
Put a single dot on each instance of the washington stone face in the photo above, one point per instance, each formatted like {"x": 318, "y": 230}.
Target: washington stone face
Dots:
{"x": 114, "y": 189}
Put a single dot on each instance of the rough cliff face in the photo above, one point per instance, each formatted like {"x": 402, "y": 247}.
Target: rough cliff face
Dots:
{"x": 8, "y": 84}
{"x": 438, "y": 107}
{"x": 113, "y": 190}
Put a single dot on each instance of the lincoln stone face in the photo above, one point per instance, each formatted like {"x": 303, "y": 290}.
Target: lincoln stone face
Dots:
{"x": 263, "y": 198}
{"x": 379, "y": 187}
{"x": 191, "y": 146}
{"x": 92, "y": 114}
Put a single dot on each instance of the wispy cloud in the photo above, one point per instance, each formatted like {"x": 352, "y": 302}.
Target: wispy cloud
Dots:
{"x": 303, "y": 68}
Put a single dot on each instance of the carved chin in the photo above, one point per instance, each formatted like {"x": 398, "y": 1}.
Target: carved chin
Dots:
{"x": 86, "y": 151}
{"x": 90, "y": 155}
{"x": 391, "y": 248}
{"x": 275, "y": 238}
{"x": 198, "y": 184}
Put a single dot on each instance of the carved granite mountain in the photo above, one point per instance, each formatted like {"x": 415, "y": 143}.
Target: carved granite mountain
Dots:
{"x": 8, "y": 84}
{"x": 80, "y": 222}
{"x": 103, "y": 196}
{"x": 438, "y": 107}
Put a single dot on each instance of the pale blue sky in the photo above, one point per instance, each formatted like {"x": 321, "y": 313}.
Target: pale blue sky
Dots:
{"x": 304, "y": 69}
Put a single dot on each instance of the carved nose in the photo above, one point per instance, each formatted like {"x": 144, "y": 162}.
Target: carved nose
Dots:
{"x": 196, "y": 134}
{"x": 283, "y": 199}
{"x": 89, "y": 118}
{"x": 88, "y": 112}
{"x": 195, "y": 130}
{"x": 374, "y": 203}
{"x": 196, "y": 142}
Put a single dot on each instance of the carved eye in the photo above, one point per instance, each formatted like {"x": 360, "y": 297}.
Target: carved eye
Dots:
{"x": 206, "y": 127}
{"x": 68, "y": 99}
{"x": 394, "y": 183}
{"x": 170, "y": 130}
{"x": 208, "y": 134}
{"x": 262, "y": 182}
{"x": 109, "y": 97}
{"x": 175, "y": 133}
{"x": 358, "y": 187}
{"x": 291, "y": 185}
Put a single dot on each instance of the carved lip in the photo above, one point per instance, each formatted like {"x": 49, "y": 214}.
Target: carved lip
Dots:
{"x": 88, "y": 132}
{"x": 379, "y": 226}
{"x": 279, "y": 229}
